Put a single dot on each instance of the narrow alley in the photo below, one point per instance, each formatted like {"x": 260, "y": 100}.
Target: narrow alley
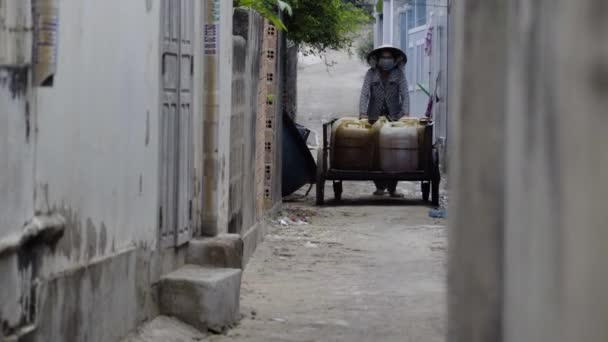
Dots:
{"x": 303, "y": 171}
{"x": 363, "y": 269}
{"x": 354, "y": 272}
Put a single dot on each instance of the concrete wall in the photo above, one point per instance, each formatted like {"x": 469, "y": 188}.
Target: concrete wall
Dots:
{"x": 86, "y": 148}
{"x": 255, "y": 165}
{"x": 97, "y": 141}
{"x": 217, "y": 116}
{"x": 290, "y": 79}
{"x": 16, "y": 129}
{"x": 248, "y": 30}
{"x": 16, "y": 151}
{"x": 477, "y": 174}
{"x": 527, "y": 236}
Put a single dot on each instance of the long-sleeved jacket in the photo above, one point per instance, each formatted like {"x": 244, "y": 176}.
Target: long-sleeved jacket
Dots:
{"x": 375, "y": 92}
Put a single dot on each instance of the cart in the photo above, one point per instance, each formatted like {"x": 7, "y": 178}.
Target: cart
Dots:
{"x": 429, "y": 175}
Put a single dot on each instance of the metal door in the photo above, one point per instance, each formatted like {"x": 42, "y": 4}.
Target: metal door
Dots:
{"x": 186, "y": 138}
{"x": 176, "y": 138}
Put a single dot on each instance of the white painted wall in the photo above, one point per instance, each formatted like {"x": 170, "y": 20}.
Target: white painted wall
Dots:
{"x": 86, "y": 148}
{"x": 217, "y": 102}
{"x": 16, "y": 129}
{"x": 16, "y": 190}
{"x": 225, "y": 107}
{"x": 97, "y": 148}
{"x": 92, "y": 155}
{"x": 16, "y": 159}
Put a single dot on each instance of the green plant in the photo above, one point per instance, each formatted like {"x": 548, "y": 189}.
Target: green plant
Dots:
{"x": 326, "y": 24}
{"x": 317, "y": 24}
{"x": 365, "y": 5}
{"x": 380, "y": 6}
{"x": 268, "y": 9}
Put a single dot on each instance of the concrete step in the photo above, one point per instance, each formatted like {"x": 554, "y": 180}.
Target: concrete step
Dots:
{"x": 205, "y": 297}
{"x": 221, "y": 251}
{"x": 165, "y": 329}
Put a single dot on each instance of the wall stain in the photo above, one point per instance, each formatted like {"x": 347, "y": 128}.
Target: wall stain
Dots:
{"x": 103, "y": 238}
{"x": 141, "y": 185}
{"x": 29, "y": 262}
{"x": 46, "y": 204}
{"x": 15, "y": 79}
{"x": 148, "y": 6}
{"x": 147, "y": 128}
{"x": 91, "y": 247}
{"x": 599, "y": 77}
{"x": 27, "y": 122}
{"x": 236, "y": 223}
{"x": 95, "y": 277}
{"x": 71, "y": 243}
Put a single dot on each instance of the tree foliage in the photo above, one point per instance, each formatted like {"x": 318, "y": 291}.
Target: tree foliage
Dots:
{"x": 268, "y": 9}
{"x": 316, "y": 24}
{"x": 327, "y": 24}
{"x": 365, "y": 5}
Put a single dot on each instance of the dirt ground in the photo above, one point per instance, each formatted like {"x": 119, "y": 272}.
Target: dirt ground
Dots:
{"x": 364, "y": 269}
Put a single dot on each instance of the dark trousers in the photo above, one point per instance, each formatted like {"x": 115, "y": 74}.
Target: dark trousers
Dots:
{"x": 391, "y": 186}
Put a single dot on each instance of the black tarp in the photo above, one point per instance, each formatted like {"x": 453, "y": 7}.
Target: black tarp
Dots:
{"x": 299, "y": 166}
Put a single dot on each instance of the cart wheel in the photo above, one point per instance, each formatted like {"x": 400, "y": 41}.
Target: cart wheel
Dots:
{"x": 338, "y": 190}
{"x": 436, "y": 179}
{"x": 320, "y": 179}
{"x": 426, "y": 191}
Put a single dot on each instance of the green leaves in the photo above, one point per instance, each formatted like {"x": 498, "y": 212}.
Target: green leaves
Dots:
{"x": 317, "y": 24}
{"x": 267, "y": 9}
{"x": 285, "y": 7}
{"x": 380, "y": 6}
{"x": 327, "y": 24}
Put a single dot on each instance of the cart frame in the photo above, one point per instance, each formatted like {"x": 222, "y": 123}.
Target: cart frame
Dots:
{"x": 429, "y": 176}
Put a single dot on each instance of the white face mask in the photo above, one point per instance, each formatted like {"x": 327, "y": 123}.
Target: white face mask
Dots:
{"x": 386, "y": 63}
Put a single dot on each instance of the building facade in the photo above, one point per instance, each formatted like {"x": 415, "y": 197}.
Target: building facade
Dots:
{"x": 116, "y": 157}
{"x": 420, "y": 28}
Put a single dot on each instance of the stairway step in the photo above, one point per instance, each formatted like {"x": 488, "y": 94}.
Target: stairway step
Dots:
{"x": 205, "y": 297}
{"x": 165, "y": 329}
{"x": 220, "y": 251}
